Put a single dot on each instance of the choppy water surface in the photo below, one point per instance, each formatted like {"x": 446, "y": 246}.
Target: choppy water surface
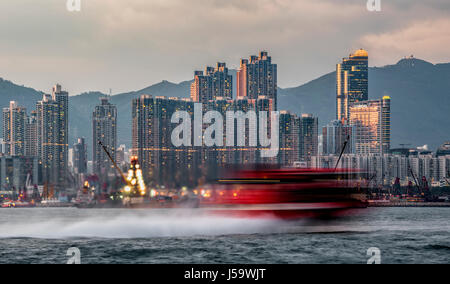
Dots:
{"x": 404, "y": 235}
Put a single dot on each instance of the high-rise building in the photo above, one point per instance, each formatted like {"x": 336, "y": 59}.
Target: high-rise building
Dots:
{"x": 334, "y": 136}
{"x": 351, "y": 83}
{"x": 31, "y": 135}
{"x": 46, "y": 113}
{"x": 372, "y": 122}
{"x": 16, "y": 171}
{"x": 213, "y": 83}
{"x": 52, "y": 137}
{"x": 257, "y": 77}
{"x": 388, "y": 169}
{"x": 62, "y": 135}
{"x": 218, "y": 157}
{"x": 161, "y": 161}
{"x": 309, "y": 136}
{"x": 289, "y": 139}
{"x": 80, "y": 156}
{"x": 104, "y": 126}
{"x": 14, "y": 129}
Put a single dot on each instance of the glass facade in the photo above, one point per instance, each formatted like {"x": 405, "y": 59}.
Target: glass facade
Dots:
{"x": 352, "y": 78}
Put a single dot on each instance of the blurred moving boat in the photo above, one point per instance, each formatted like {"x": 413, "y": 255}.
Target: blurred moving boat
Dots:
{"x": 17, "y": 204}
{"x": 284, "y": 193}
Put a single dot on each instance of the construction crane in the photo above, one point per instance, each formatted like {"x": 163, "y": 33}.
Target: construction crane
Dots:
{"x": 342, "y": 151}
{"x": 134, "y": 183}
{"x": 114, "y": 162}
{"x": 415, "y": 180}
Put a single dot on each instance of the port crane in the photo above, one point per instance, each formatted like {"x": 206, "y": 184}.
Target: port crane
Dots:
{"x": 423, "y": 188}
{"x": 446, "y": 179}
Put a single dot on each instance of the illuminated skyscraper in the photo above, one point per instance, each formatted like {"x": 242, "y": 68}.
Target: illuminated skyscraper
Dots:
{"x": 257, "y": 77}
{"x": 62, "y": 132}
{"x": 161, "y": 161}
{"x": 46, "y": 136}
{"x": 52, "y": 137}
{"x": 14, "y": 129}
{"x": 213, "y": 83}
{"x": 104, "y": 127}
{"x": 351, "y": 83}
{"x": 372, "y": 122}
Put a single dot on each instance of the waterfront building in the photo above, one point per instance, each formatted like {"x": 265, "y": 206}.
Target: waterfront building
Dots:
{"x": 387, "y": 168}
{"x": 334, "y": 136}
{"x": 14, "y": 129}
{"x": 31, "y": 135}
{"x": 161, "y": 161}
{"x": 16, "y": 170}
{"x": 104, "y": 130}
{"x": 289, "y": 139}
{"x": 372, "y": 126}
{"x": 218, "y": 157}
{"x": 309, "y": 140}
{"x": 79, "y": 157}
{"x": 52, "y": 137}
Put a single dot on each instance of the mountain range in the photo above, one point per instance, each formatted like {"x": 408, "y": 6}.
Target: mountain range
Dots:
{"x": 420, "y": 93}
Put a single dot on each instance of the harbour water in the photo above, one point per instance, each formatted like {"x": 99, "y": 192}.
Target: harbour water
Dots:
{"x": 43, "y": 235}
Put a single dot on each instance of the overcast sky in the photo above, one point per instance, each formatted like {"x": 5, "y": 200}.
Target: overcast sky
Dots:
{"x": 129, "y": 45}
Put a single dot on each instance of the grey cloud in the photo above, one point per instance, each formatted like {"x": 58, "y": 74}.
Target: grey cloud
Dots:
{"x": 129, "y": 45}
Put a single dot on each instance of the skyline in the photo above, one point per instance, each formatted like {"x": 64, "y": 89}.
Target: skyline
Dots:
{"x": 87, "y": 44}
{"x": 47, "y": 89}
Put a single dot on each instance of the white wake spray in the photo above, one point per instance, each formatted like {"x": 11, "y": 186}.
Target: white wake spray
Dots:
{"x": 131, "y": 224}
